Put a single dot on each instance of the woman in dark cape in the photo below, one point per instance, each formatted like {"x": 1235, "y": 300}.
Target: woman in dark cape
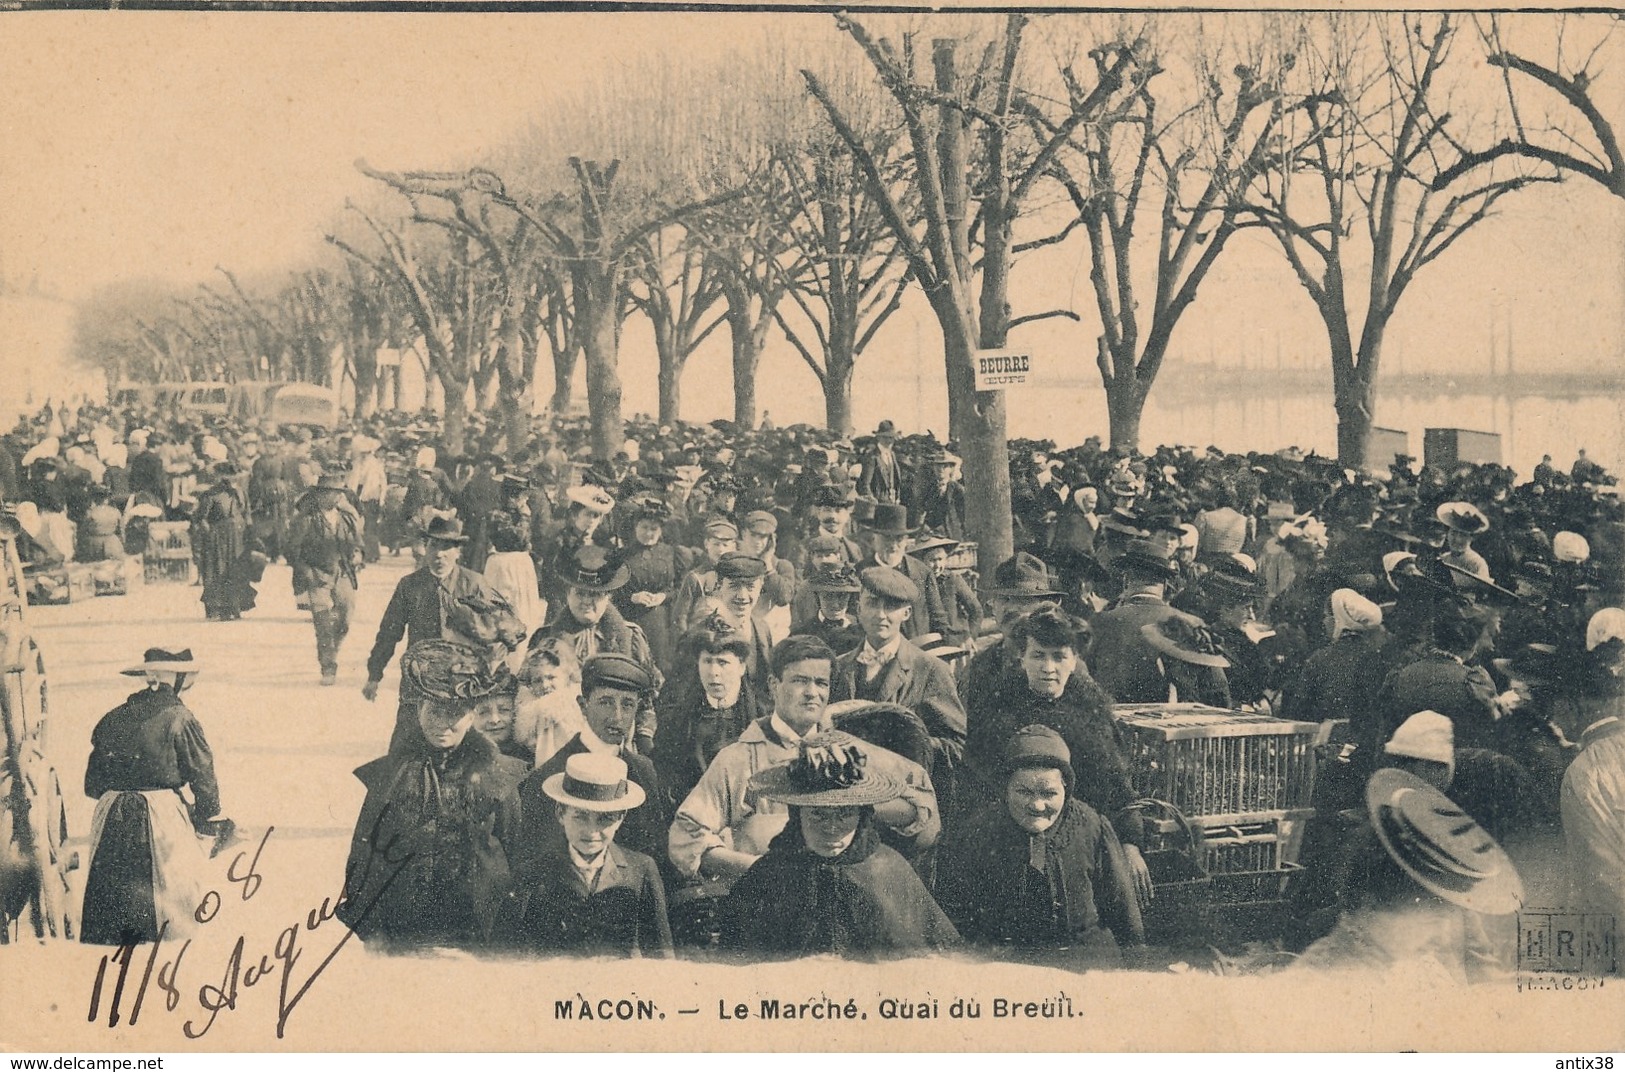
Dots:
{"x": 864, "y": 901}
{"x": 219, "y": 534}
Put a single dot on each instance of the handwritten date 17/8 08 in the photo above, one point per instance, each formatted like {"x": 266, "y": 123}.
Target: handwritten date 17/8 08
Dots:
{"x": 241, "y": 971}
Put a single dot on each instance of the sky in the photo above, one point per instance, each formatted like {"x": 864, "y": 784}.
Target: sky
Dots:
{"x": 140, "y": 144}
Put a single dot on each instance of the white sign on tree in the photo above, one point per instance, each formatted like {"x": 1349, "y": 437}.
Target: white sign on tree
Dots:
{"x": 998, "y": 369}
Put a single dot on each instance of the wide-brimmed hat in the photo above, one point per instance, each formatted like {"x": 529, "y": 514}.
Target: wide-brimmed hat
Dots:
{"x": 831, "y": 771}
{"x": 937, "y": 646}
{"x": 594, "y": 781}
{"x": 1187, "y": 641}
{"x": 162, "y": 659}
{"x": 1022, "y": 576}
{"x": 1440, "y": 846}
{"x": 1125, "y": 522}
{"x": 1462, "y": 517}
{"x": 444, "y": 529}
{"x": 591, "y": 497}
{"x": 1481, "y": 589}
{"x": 930, "y": 541}
{"x": 1539, "y": 664}
{"x": 447, "y": 670}
{"x": 1141, "y": 557}
{"x": 592, "y": 569}
{"x": 890, "y": 519}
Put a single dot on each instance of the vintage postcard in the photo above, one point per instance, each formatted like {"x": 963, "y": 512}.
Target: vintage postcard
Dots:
{"x": 556, "y": 527}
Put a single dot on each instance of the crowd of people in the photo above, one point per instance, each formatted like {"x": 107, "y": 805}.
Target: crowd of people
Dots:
{"x": 740, "y": 691}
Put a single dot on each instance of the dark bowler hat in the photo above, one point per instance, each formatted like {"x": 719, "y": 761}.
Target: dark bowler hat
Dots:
{"x": 1022, "y": 576}
{"x": 614, "y": 671}
{"x": 444, "y": 529}
{"x": 738, "y": 566}
{"x": 1232, "y": 577}
{"x": 890, "y": 519}
{"x": 886, "y": 430}
{"x": 592, "y": 570}
{"x": 832, "y": 496}
{"x": 889, "y": 583}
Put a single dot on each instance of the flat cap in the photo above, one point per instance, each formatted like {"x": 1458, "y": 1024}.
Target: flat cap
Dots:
{"x": 761, "y": 522}
{"x": 738, "y": 566}
{"x": 614, "y": 671}
{"x": 889, "y": 583}
{"x": 721, "y": 526}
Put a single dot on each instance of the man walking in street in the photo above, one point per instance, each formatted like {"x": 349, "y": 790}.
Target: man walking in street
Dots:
{"x": 326, "y": 549}
{"x": 440, "y": 600}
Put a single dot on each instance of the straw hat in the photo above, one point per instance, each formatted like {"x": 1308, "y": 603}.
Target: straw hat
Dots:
{"x": 163, "y": 660}
{"x": 831, "y": 771}
{"x": 1440, "y": 846}
{"x": 594, "y": 782}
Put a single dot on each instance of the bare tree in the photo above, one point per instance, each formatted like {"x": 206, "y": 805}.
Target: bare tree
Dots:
{"x": 676, "y": 285}
{"x": 844, "y": 271}
{"x": 972, "y": 177}
{"x": 1369, "y": 94}
{"x": 1569, "y": 82}
{"x": 1172, "y": 152}
{"x": 445, "y": 286}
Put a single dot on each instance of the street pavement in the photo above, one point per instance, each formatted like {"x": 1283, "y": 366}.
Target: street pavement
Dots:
{"x": 285, "y": 746}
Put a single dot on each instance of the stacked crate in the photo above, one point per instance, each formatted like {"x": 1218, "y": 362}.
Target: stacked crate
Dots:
{"x": 1244, "y": 781}
{"x": 168, "y": 555}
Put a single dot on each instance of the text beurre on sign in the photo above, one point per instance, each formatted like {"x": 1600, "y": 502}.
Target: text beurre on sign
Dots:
{"x": 998, "y": 369}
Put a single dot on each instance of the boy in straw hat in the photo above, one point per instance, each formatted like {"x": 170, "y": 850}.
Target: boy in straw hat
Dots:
{"x": 146, "y": 862}
{"x": 589, "y": 895}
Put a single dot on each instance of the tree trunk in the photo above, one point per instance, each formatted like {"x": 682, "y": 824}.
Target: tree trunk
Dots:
{"x": 600, "y": 345}
{"x": 748, "y": 340}
{"x": 364, "y": 364}
{"x": 838, "y": 401}
{"x": 1125, "y": 403}
{"x": 454, "y": 419}
{"x": 1353, "y": 434}
{"x": 564, "y": 372}
{"x": 669, "y": 372}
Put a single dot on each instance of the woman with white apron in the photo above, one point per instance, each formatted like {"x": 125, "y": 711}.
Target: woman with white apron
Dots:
{"x": 146, "y": 853}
